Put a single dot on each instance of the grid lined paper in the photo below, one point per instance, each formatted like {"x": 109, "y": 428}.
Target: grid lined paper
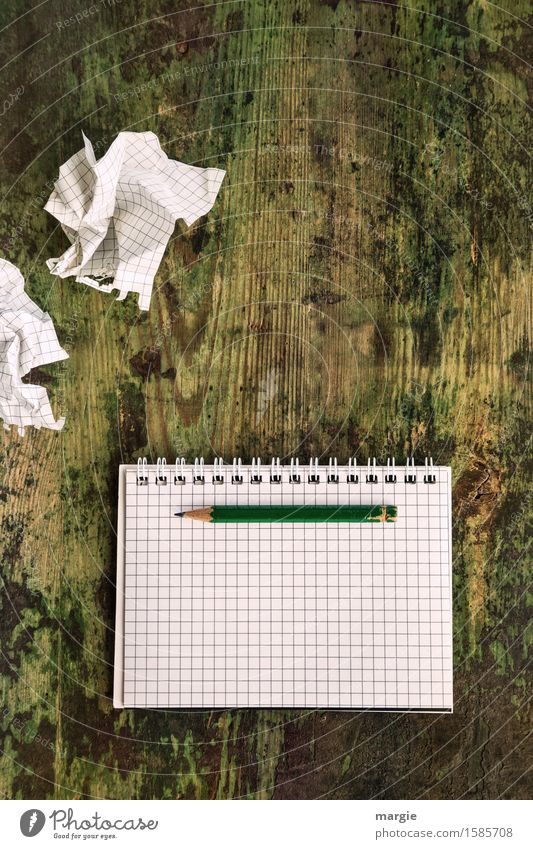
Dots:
{"x": 289, "y": 615}
{"x": 27, "y": 340}
{"x": 119, "y": 212}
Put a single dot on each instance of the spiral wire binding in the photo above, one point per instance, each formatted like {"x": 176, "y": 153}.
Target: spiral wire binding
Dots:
{"x": 390, "y": 477}
{"x": 352, "y": 476}
{"x": 294, "y": 476}
{"x": 179, "y": 472}
{"x": 198, "y": 477}
{"x": 255, "y": 472}
{"x": 218, "y": 477}
{"x": 161, "y": 473}
{"x": 333, "y": 470}
{"x": 371, "y": 476}
{"x": 236, "y": 477}
{"x": 313, "y": 476}
{"x": 142, "y": 472}
{"x": 221, "y": 472}
{"x": 430, "y": 476}
{"x": 275, "y": 471}
{"x": 410, "y": 474}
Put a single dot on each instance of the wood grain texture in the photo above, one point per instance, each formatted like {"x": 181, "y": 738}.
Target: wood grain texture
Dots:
{"x": 362, "y": 286}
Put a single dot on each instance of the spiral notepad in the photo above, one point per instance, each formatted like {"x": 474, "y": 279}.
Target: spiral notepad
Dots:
{"x": 353, "y": 616}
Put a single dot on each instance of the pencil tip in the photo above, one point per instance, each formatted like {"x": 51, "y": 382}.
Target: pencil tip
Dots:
{"x": 179, "y": 514}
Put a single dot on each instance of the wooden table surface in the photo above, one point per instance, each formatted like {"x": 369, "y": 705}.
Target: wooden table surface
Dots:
{"x": 361, "y": 287}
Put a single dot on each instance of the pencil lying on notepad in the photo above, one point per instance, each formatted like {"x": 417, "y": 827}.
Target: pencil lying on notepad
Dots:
{"x": 233, "y": 514}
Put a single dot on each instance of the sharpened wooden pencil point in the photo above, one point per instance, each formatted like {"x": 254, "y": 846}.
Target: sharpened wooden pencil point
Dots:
{"x": 203, "y": 514}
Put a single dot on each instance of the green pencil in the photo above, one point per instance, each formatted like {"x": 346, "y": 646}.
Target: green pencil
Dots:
{"x": 293, "y": 513}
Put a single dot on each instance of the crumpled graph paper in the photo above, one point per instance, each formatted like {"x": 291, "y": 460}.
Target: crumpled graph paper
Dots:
{"x": 27, "y": 339}
{"x": 119, "y": 212}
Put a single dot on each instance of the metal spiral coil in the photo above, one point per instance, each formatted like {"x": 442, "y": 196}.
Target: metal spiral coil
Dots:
{"x": 315, "y": 474}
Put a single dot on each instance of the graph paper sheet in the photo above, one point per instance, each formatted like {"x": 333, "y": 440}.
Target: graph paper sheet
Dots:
{"x": 119, "y": 212}
{"x": 27, "y": 340}
{"x": 353, "y": 616}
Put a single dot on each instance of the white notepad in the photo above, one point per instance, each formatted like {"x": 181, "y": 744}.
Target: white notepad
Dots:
{"x": 354, "y": 616}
